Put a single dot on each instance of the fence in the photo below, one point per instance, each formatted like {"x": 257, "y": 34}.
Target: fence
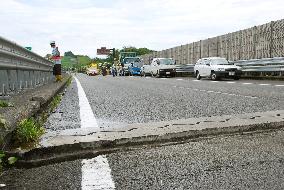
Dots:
{"x": 264, "y": 41}
{"x": 21, "y": 69}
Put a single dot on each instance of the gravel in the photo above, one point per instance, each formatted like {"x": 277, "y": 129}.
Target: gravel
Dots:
{"x": 67, "y": 115}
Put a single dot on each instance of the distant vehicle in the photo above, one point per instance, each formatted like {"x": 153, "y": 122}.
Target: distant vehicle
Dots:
{"x": 163, "y": 67}
{"x": 92, "y": 72}
{"x": 215, "y": 68}
{"x": 125, "y": 60}
{"x": 145, "y": 70}
{"x": 132, "y": 65}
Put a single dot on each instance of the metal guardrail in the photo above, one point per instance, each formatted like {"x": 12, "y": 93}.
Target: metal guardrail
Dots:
{"x": 265, "y": 66}
{"x": 261, "y": 65}
{"x": 21, "y": 69}
{"x": 189, "y": 68}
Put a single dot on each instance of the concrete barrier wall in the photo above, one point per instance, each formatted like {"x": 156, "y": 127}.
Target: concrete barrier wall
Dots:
{"x": 263, "y": 41}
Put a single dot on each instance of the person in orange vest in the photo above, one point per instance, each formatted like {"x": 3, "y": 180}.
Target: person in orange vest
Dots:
{"x": 55, "y": 56}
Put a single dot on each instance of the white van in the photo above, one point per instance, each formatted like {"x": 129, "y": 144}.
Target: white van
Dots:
{"x": 215, "y": 68}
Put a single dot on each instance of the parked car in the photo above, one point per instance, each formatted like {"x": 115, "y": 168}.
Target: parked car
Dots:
{"x": 92, "y": 72}
{"x": 145, "y": 70}
{"x": 163, "y": 67}
{"x": 216, "y": 68}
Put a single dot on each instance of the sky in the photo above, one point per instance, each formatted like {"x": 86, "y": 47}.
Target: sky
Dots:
{"x": 82, "y": 26}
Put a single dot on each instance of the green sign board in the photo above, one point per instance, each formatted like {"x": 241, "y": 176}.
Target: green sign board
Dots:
{"x": 29, "y": 48}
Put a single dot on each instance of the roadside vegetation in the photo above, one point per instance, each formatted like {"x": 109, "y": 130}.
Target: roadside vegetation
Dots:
{"x": 6, "y": 161}
{"x": 29, "y": 130}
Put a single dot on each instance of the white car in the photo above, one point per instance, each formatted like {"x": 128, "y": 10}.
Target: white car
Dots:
{"x": 92, "y": 72}
{"x": 163, "y": 67}
{"x": 215, "y": 68}
{"x": 145, "y": 70}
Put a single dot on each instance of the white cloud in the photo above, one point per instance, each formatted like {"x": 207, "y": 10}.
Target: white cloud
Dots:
{"x": 83, "y": 26}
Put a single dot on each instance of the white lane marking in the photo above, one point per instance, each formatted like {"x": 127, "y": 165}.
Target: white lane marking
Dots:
{"x": 86, "y": 114}
{"x": 217, "y": 92}
{"x": 179, "y": 79}
{"x": 264, "y": 84}
{"x": 163, "y": 78}
{"x": 280, "y": 85}
{"x": 96, "y": 174}
{"x": 246, "y": 83}
{"x": 214, "y": 81}
{"x": 148, "y": 77}
{"x": 196, "y": 80}
{"x": 231, "y": 82}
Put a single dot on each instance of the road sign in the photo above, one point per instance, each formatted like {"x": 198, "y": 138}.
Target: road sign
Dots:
{"x": 103, "y": 51}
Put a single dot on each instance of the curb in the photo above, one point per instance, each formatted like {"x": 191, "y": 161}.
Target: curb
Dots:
{"x": 90, "y": 146}
{"x": 26, "y": 105}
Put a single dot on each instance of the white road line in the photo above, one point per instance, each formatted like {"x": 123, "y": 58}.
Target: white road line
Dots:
{"x": 163, "y": 78}
{"x": 179, "y": 79}
{"x": 264, "y": 84}
{"x": 96, "y": 173}
{"x": 86, "y": 114}
{"x": 196, "y": 80}
{"x": 214, "y": 81}
{"x": 246, "y": 83}
{"x": 279, "y": 85}
{"x": 231, "y": 82}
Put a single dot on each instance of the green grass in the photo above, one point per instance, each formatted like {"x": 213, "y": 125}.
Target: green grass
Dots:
{"x": 69, "y": 81}
{"x": 4, "y": 104}
{"x": 29, "y": 130}
{"x": 54, "y": 103}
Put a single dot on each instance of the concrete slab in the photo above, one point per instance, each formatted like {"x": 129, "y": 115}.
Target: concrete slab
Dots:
{"x": 189, "y": 128}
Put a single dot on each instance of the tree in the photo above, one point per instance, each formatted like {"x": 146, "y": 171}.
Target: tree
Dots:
{"x": 69, "y": 54}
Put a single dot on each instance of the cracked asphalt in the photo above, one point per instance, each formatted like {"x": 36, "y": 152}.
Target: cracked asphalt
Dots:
{"x": 121, "y": 100}
{"x": 248, "y": 161}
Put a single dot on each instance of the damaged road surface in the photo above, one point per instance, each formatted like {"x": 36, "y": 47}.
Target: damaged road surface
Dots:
{"x": 249, "y": 161}
{"x": 148, "y": 133}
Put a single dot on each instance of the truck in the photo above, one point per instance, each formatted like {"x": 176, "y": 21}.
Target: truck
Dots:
{"x": 134, "y": 68}
{"x": 163, "y": 67}
{"x": 125, "y": 60}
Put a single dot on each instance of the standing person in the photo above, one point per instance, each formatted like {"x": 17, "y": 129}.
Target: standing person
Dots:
{"x": 55, "y": 56}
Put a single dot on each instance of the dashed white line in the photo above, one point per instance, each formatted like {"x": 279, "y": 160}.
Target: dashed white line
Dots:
{"x": 179, "y": 79}
{"x": 96, "y": 173}
{"x": 214, "y": 81}
{"x": 246, "y": 83}
{"x": 231, "y": 82}
{"x": 264, "y": 84}
{"x": 279, "y": 85}
{"x": 196, "y": 80}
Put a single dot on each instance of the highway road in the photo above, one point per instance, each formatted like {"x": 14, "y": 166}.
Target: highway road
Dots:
{"x": 247, "y": 161}
{"x": 120, "y": 100}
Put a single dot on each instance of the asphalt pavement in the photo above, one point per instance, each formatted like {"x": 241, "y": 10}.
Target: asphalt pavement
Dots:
{"x": 118, "y": 100}
{"x": 248, "y": 161}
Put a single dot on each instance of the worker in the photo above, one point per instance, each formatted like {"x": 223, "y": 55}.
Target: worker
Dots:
{"x": 55, "y": 57}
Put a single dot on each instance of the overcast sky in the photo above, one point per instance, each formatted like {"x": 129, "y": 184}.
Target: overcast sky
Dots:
{"x": 82, "y": 26}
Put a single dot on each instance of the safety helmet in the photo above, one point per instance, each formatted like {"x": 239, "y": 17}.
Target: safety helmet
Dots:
{"x": 52, "y": 42}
